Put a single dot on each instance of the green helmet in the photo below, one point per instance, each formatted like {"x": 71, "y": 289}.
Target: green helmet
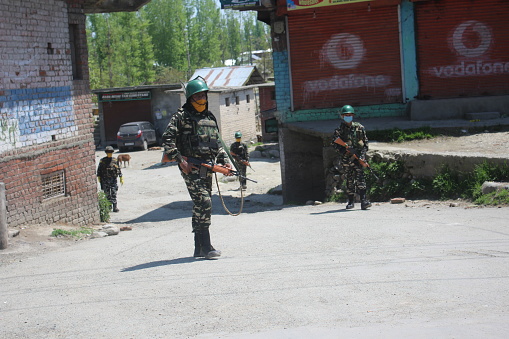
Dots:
{"x": 238, "y": 135}
{"x": 194, "y": 86}
{"x": 347, "y": 109}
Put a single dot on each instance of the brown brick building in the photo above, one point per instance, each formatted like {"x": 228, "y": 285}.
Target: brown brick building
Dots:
{"x": 47, "y": 158}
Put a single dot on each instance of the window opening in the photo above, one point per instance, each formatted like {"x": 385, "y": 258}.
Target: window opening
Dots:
{"x": 77, "y": 73}
{"x": 53, "y": 184}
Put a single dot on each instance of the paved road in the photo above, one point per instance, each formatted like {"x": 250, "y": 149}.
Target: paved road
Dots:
{"x": 320, "y": 271}
{"x": 286, "y": 272}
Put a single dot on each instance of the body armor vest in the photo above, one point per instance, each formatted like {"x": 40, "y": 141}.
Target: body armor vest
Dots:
{"x": 200, "y": 138}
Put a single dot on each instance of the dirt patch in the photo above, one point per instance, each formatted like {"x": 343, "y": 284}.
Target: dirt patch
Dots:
{"x": 30, "y": 240}
{"x": 489, "y": 143}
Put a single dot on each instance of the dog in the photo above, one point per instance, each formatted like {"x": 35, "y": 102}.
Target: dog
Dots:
{"x": 124, "y": 159}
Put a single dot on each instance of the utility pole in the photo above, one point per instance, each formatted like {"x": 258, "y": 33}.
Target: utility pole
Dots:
{"x": 4, "y": 236}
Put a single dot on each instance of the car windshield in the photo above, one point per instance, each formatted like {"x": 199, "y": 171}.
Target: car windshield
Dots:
{"x": 129, "y": 129}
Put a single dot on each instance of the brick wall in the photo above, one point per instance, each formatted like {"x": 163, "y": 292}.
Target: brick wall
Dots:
{"x": 241, "y": 117}
{"x": 266, "y": 98}
{"x": 45, "y": 113}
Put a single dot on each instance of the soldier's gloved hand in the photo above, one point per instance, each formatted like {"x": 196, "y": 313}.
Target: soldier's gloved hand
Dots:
{"x": 229, "y": 167}
{"x": 121, "y": 180}
{"x": 186, "y": 167}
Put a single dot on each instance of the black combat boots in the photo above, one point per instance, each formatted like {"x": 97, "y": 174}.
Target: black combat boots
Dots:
{"x": 197, "y": 246}
{"x": 351, "y": 200}
{"x": 207, "y": 250}
{"x": 365, "y": 204}
{"x": 115, "y": 209}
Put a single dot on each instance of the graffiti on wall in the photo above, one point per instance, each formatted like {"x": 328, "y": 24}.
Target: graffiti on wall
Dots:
{"x": 471, "y": 41}
{"x": 345, "y": 52}
{"x": 35, "y": 116}
{"x": 9, "y": 133}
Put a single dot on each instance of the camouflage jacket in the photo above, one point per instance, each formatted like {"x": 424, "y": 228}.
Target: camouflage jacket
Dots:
{"x": 108, "y": 168}
{"x": 354, "y": 136}
{"x": 240, "y": 151}
{"x": 193, "y": 134}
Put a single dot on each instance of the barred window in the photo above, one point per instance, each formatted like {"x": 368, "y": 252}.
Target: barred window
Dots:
{"x": 53, "y": 184}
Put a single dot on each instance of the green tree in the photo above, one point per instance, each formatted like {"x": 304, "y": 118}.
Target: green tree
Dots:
{"x": 233, "y": 33}
{"x": 168, "y": 25}
{"x": 120, "y": 50}
{"x": 203, "y": 34}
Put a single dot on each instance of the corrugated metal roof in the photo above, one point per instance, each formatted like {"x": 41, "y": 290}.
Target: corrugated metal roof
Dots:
{"x": 233, "y": 76}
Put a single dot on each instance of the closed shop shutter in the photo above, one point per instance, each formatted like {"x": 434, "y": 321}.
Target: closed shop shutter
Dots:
{"x": 462, "y": 48}
{"x": 116, "y": 113}
{"x": 345, "y": 56}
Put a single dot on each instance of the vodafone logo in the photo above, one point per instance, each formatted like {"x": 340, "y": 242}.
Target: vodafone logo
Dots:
{"x": 343, "y": 51}
{"x": 346, "y": 51}
{"x": 471, "y": 39}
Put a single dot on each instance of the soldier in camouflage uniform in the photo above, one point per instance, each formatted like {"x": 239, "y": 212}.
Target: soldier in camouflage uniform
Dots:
{"x": 239, "y": 152}
{"x": 107, "y": 174}
{"x": 193, "y": 132}
{"x": 354, "y": 135}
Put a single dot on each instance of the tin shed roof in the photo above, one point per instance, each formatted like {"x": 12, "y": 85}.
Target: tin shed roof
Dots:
{"x": 233, "y": 76}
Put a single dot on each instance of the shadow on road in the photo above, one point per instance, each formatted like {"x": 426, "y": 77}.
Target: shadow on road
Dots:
{"x": 183, "y": 209}
{"x": 339, "y": 210}
{"x": 159, "y": 263}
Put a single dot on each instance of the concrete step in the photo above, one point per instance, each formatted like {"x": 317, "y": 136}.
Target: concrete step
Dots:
{"x": 482, "y": 116}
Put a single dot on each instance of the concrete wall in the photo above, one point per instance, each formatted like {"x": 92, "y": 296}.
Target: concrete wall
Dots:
{"x": 164, "y": 104}
{"x": 442, "y": 109}
{"x": 45, "y": 114}
{"x": 302, "y": 167}
{"x": 422, "y": 164}
{"x": 236, "y": 117}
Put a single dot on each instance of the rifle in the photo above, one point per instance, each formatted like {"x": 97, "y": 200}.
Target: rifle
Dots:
{"x": 243, "y": 162}
{"x": 363, "y": 163}
{"x": 210, "y": 165}
{"x": 216, "y": 168}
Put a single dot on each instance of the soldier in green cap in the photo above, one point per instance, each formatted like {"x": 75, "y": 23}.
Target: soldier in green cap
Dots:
{"x": 107, "y": 173}
{"x": 193, "y": 133}
{"x": 239, "y": 152}
{"x": 351, "y": 142}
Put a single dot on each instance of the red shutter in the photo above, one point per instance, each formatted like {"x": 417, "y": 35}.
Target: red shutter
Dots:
{"x": 345, "y": 56}
{"x": 462, "y": 48}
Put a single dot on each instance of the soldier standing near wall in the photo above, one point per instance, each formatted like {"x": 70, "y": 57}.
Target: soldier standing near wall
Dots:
{"x": 107, "y": 174}
{"x": 355, "y": 146}
{"x": 239, "y": 152}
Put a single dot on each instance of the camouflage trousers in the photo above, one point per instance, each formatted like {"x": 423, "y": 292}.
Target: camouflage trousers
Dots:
{"x": 243, "y": 171}
{"x": 200, "y": 191}
{"x": 354, "y": 173}
{"x": 110, "y": 188}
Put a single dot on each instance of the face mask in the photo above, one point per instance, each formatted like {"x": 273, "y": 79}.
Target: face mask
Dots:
{"x": 199, "y": 105}
{"x": 348, "y": 119}
{"x": 109, "y": 154}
